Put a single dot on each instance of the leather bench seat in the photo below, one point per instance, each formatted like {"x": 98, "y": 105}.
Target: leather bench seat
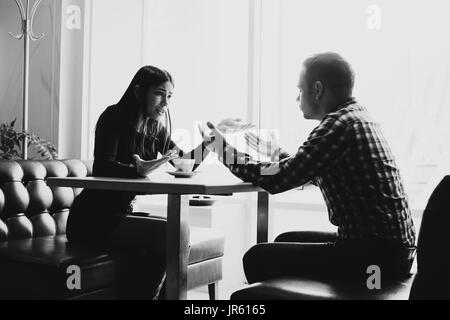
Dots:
{"x": 34, "y": 254}
{"x": 307, "y": 288}
{"x": 37, "y": 268}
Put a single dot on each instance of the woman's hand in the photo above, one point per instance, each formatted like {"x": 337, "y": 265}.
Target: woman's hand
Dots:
{"x": 267, "y": 148}
{"x": 144, "y": 167}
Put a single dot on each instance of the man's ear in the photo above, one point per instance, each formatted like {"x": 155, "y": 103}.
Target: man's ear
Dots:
{"x": 318, "y": 90}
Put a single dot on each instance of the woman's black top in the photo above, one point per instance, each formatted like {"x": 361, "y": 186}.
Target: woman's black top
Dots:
{"x": 95, "y": 213}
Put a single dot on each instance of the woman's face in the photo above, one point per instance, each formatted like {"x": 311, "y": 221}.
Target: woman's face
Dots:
{"x": 157, "y": 100}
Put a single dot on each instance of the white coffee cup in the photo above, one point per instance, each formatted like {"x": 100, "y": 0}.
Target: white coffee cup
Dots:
{"x": 184, "y": 165}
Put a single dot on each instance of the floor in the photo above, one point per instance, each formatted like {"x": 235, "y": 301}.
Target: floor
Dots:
{"x": 202, "y": 293}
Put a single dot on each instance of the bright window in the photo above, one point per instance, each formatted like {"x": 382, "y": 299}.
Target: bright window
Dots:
{"x": 234, "y": 58}
{"x": 204, "y": 45}
{"x": 402, "y": 66}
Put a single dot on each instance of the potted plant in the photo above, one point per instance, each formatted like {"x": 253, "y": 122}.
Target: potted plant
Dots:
{"x": 11, "y": 142}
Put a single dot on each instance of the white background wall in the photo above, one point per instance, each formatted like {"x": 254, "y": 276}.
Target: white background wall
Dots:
{"x": 204, "y": 45}
{"x": 115, "y": 54}
{"x": 72, "y": 74}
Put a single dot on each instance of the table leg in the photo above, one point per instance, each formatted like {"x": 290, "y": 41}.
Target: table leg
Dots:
{"x": 262, "y": 224}
{"x": 177, "y": 247}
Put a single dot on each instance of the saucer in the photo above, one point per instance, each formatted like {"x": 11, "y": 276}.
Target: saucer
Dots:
{"x": 180, "y": 174}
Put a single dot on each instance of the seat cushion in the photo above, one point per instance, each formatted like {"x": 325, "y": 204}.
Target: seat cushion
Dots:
{"x": 205, "y": 244}
{"x": 314, "y": 289}
{"x": 37, "y": 267}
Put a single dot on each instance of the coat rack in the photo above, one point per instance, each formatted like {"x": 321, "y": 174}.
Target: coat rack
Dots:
{"x": 27, "y": 33}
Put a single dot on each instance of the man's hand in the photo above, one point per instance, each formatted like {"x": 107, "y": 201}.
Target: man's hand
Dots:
{"x": 213, "y": 141}
{"x": 143, "y": 167}
{"x": 219, "y": 140}
{"x": 216, "y": 142}
{"x": 267, "y": 148}
{"x": 207, "y": 138}
{"x": 233, "y": 125}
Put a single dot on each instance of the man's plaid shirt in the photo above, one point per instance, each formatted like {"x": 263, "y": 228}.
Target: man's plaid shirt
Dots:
{"x": 347, "y": 156}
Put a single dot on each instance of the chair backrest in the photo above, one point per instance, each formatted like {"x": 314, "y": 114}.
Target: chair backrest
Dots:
{"x": 28, "y": 207}
{"x": 433, "y": 259}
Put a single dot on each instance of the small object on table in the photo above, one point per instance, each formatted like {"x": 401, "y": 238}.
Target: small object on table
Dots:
{"x": 181, "y": 174}
{"x": 183, "y": 165}
{"x": 201, "y": 201}
{"x": 233, "y": 125}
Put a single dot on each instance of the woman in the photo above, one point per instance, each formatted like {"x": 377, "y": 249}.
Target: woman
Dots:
{"x": 128, "y": 137}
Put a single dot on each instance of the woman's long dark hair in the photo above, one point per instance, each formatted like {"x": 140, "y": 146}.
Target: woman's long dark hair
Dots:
{"x": 146, "y": 77}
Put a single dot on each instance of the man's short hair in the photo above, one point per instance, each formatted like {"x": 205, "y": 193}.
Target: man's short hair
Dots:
{"x": 332, "y": 70}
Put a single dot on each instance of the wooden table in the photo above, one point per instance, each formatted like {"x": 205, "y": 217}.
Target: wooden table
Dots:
{"x": 177, "y": 210}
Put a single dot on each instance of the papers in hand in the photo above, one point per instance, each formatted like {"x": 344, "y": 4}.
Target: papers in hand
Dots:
{"x": 233, "y": 125}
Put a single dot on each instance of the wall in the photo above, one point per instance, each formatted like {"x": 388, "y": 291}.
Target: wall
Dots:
{"x": 44, "y": 69}
{"x": 71, "y": 78}
{"x": 74, "y": 34}
{"x": 114, "y": 54}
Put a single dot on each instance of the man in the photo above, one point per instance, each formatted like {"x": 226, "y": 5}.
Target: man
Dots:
{"x": 348, "y": 158}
